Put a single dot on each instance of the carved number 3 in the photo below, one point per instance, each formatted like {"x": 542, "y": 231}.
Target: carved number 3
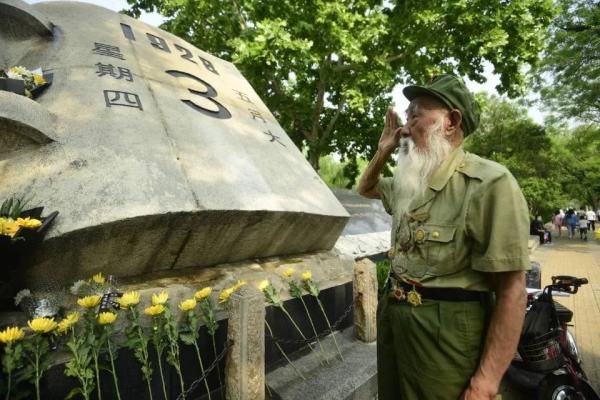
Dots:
{"x": 209, "y": 94}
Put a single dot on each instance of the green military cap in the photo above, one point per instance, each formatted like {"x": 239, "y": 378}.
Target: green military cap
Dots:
{"x": 451, "y": 91}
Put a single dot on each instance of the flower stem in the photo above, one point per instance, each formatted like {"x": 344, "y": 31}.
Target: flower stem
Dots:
{"x": 296, "y": 326}
{"x": 160, "y": 369}
{"x": 314, "y": 330}
{"x": 9, "y": 381}
{"x": 283, "y": 352}
{"x": 144, "y": 349}
{"x": 202, "y": 369}
{"x": 37, "y": 369}
{"x": 330, "y": 330}
{"x": 95, "y": 353}
{"x": 214, "y": 344}
{"x": 114, "y": 372}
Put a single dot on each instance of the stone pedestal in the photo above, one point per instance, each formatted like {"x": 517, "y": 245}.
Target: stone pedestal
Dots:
{"x": 245, "y": 368}
{"x": 365, "y": 300}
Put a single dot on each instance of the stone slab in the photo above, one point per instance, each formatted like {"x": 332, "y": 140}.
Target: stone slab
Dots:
{"x": 366, "y": 215}
{"x": 164, "y": 155}
{"x": 355, "y": 378}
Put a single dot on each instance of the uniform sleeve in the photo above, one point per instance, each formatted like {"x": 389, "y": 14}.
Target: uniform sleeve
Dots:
{"x": 498, "y": 223}
{"x": 385, "y": 186}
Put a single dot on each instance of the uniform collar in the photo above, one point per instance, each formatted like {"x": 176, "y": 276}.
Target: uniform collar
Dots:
{"x": 442, "y": 175}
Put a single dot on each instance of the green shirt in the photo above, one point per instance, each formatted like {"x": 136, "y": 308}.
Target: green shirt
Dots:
{"x": 472, "y": 219}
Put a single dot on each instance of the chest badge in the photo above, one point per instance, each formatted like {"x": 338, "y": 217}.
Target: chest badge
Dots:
{"x": 413, "y": 298}
{"x": 419, "y": 235}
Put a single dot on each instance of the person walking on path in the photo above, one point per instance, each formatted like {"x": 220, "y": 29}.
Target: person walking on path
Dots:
{"x": 591, "y": 218}
{"x": 459, "y": 237}
{"x": 572, "y": 221}
{"x": 557, "y": 221}
{"x": 583, "y": 227}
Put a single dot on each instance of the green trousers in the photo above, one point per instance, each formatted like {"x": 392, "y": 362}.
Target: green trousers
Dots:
{"x": 427, "y": 352}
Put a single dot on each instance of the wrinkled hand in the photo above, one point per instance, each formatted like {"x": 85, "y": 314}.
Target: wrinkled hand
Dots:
{"x": 390, "y": 137}
{"x": 479, "y": 390}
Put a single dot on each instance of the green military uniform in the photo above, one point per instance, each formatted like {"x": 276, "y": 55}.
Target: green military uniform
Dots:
{"x": 471, "y": 220}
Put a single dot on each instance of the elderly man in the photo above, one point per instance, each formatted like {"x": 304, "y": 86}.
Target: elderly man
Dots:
{"x": 449, "y": 322}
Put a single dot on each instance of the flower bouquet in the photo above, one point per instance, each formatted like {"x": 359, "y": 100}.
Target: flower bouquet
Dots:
{"x": 25, "y": 82}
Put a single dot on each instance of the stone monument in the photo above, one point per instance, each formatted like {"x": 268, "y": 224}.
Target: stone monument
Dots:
{"x": 157, "y": 154}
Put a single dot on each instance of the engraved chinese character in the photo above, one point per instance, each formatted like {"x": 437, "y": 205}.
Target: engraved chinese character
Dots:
{"x": 127, "y": 100}
{"x": 243, "y": 96}
{"x": 257, "y": 115}
{"x": 274, "y": 138}
{"x": 107, "y": 50}
{"x": 109, "y": 69}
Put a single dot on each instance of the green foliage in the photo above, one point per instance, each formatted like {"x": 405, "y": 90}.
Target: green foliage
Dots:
{"x": 13, "y": 207}
{"x": 382, "y": 269}
{"x": 572, "y": 61}
{"x": 326, "y": 68}
{"x": 80, "y": 364}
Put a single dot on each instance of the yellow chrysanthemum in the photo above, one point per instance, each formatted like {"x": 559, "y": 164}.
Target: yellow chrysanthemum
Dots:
{"x": 187, "y": 305}
{"x": 129, "y": 299}
{"x": 238, "y": 285}
{"x": 42, "y": 325}
{"x": 160, "y": 298}
{"x": 8, "y": 227}
{"x": 30, "y": 223}
{"x": 106, "y": 318}
{"x": 68, "y": 322}
{"x": 306, "y": 276}
{"x": 225, "y": 294}
{"x": 263, "y": 284}
{"x": 18, "y": 70}
{"x": 288, "y": 273}
{"x": 38, "y": 80}
{"x": 99, "y": 278}
{"x": 203, "y": 293}
{"x": 154, "y": 310}
{"x": 89, "y": 301}
{"x": 11, "y": 334}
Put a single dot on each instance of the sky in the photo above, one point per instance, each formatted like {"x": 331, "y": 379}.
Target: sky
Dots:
{"x": 401, "y": 103}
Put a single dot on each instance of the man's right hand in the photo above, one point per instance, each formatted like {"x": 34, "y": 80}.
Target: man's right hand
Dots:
{"x": 390, "y": 137}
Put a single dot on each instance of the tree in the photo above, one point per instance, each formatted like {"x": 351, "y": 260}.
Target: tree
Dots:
{"x": 572, "y": 61}
{"x": 507, "y": 135}
{"x": 326, "y": 68}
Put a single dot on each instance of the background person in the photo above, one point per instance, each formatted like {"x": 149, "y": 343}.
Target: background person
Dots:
{"x": 459, "y": 234}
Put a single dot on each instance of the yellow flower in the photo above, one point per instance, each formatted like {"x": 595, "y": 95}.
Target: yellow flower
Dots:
{"x": 38, "y": 80}
{"x": 306, "y": 276}
{"x": 105, "y": 318}
{"x": 42, "y": 325}
{"x": 225, "y": 294}
{"x": 18, "y": 70}
{"x": 30, "y": 223}
{"x": 160, "y": 298}
{"x": 263, "y": 285}
{"x": 68, "y": 322}
{"x": 238, "y": 285}
{"x": 99, "y": 278}
{"x": 11, "y": 334}
{"x": 203, "y": 293}
{"x": 8, "y": 227}
{"x": 129, "y": 299}
{"x": 289, "y": 272}
{"x": 154, "y": 310}
{"x": 187, "y": 305}
{"x": 89, "y": 301}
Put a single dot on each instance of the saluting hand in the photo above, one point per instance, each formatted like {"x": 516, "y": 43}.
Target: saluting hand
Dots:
{"x": 390, "y": 137}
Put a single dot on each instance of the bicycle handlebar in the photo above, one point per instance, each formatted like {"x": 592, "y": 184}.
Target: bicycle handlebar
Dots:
{"x": 566, "y": 283}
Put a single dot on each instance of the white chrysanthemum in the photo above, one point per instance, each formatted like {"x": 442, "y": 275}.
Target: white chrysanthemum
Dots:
{"x": 78, "y": 287}
{"x": 22, "y": 294}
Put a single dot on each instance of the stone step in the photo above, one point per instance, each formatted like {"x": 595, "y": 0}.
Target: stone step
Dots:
{"x": 355, "y": 378}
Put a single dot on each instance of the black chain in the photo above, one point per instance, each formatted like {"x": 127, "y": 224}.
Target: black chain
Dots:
{"x": 207, "y": 371}
{"x": 320, "y": 335}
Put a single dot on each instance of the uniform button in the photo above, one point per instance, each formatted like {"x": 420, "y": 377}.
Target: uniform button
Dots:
{"x": 435, "y": 234}
{"x": 461, "y": 165}
{"x": 392, "y": 253}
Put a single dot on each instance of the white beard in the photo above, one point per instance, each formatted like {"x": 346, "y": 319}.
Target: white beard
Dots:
{"x": 415, "y": 166}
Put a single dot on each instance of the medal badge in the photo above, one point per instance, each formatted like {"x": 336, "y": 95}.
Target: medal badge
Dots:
{"x": 413, "y": 297}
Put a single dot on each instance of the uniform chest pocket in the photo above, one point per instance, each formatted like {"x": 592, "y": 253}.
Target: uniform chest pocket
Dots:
{"x": 440, "y": 245}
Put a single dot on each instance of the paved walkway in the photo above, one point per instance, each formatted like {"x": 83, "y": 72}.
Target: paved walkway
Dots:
{"x": 581, "y": 259}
